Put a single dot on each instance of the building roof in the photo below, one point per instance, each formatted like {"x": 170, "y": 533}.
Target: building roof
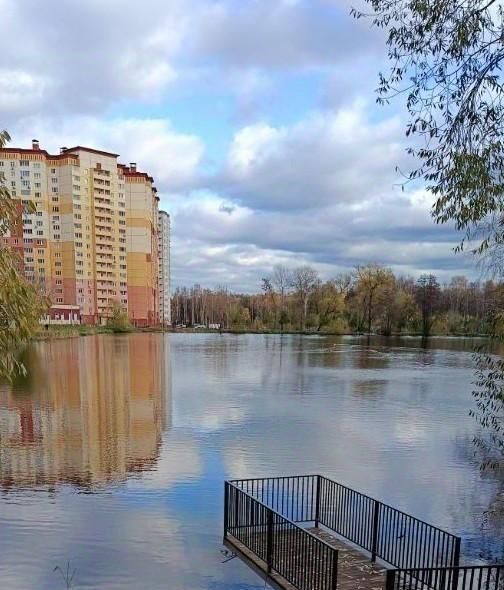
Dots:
{"x": 91, "y": 150}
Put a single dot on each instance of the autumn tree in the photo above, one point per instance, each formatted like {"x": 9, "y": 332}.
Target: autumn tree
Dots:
{"x": 304, "y": 280}
{"x": 21, "y": 306}
{"x": 371, "y": 283}
{"x": 427, "y": 295}
{"x": 329, "y": 304}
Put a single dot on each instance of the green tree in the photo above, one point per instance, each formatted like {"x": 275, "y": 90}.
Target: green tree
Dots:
{"x": 21, "y": 306}
{"x": 489, "y": 411}
{"x": 117, "y": 319}
{"x": 446, "y": 61}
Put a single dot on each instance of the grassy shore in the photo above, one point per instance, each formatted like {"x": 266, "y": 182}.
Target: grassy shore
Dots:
{"x": 55, "y": 332}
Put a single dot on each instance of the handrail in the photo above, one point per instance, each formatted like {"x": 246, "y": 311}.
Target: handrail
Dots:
{"x": 291, "y": 522}
{"x": 388, "y": 506}
{"x": 277, "y": 541}
{"x": 462, "y": 577}
{"x": 423, "y": 556}
{"x": 396, "y": 537}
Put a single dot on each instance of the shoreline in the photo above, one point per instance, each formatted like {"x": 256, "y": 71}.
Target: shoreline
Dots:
{"x": 59, "y": 332}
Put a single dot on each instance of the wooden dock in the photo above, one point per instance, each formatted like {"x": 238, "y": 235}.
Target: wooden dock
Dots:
{"x": 355, "y": 570}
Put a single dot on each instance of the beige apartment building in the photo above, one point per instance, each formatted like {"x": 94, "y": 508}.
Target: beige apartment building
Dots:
{"x": 91, "y": 239}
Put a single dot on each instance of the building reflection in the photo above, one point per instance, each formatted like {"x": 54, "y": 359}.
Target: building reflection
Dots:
{"x": 92, "y": 411}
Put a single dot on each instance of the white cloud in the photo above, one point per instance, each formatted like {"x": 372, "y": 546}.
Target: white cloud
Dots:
{"x": 171, "y": 157}
{"x": 327, "y": 157}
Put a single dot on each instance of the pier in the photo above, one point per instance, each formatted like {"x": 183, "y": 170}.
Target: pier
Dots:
{"x": 311, "y": 533}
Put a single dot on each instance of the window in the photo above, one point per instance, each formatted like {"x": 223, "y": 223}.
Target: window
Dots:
{"x": 1, "y": 164}
{"x": 54, "y": 189}
{"x": 27, "y": 231}
{"x": 59, "y": 300}
{"x": 55, "y": 209}
{"x": 36, "y": 175}
{"x": 57, "y": 236}
{"x": 40, "y": 261}
{"x": 13, "y": 183}
{"x": 39, "y": 214}
{"x": 59, "y": 282}
{"x": 25, "y": 173}
{"x": 56, "y": 227}
{"x": 24, "y": 163}
{"x": 37, "y": 195}
{"x": 58, "y": 273}
{"x": 53, "y": 170}
{"x": 54, "y": 180}
{"x": 36, "y": 165}
{"x": 40, "y": 232}
{"x": 12, "y": 164}
{"x": 40, "y": 223}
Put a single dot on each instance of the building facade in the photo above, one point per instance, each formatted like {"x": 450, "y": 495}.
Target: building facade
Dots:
{"x": 164, "y": 230}
{"x": 87, "y": 232}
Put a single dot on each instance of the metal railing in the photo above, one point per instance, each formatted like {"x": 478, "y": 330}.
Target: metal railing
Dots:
{"x": 397, "y": 538}
{"x": 293, "y": 497}
{"x": 477, "y": 577}
{"x": 304, "y": 560}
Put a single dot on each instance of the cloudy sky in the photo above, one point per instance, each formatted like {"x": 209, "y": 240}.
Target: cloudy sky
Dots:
{"x": 256, "y": 117}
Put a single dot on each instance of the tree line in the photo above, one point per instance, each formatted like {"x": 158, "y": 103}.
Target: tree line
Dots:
{"x": 371, "y": 299}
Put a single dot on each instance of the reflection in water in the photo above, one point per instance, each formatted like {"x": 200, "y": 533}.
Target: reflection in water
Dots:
{"x": 100, "y": 415}
{"x": 91, "y": 413}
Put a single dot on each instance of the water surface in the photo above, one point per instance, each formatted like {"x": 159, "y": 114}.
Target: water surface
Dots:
{"x": 114, "y": 449}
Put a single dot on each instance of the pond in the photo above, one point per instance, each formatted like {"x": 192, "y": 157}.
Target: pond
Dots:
{"x": 114, "y": 449}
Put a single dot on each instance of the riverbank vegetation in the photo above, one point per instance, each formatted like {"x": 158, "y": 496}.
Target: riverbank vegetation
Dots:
{"x": 371, "y": 299}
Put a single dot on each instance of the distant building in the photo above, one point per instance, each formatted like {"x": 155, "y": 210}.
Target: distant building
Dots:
{"x": 92, "y": 236}
{"x": 164, "y": 269}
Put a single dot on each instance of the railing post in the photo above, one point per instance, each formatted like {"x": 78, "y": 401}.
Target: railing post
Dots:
{"x": 317, "y": 502}
{"x": 456, "y": 562}
{"x": 226, "y": 508}
{"x": 334, "y": 581}
{"x": 376, "y": 524}
{"x": 269, "y": 541}
{"x": 390, "y": 580}
{"x": 456, "y": 553}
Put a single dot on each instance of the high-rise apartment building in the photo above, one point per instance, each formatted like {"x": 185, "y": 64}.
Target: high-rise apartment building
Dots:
{"x": 142, "y": 246}
{"x": 164, "y": 269}
{"x": 92, "y": 238}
